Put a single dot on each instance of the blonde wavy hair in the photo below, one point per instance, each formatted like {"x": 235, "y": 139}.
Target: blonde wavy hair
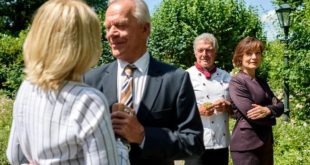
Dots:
{"x": 62, "y": 44}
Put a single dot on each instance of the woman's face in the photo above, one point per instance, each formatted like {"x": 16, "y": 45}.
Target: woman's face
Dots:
{"x": 251, "y": 60}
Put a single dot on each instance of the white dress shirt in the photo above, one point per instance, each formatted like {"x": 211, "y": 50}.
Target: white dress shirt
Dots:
{"x": 216, "y": 130}
{"x": 72, "y": 126}
{"x": 139, "y": 76}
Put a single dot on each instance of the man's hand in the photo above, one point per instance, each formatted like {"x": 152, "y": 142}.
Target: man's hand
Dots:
{"x": 206, "y": 110}
{"x": 258, "y": 112}
{"x": 126, "y": 124}
{"x": 221, "y": 105}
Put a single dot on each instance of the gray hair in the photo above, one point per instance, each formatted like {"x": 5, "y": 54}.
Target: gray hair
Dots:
{"x": 208, "y": 37}
{"x": 141, "y": 11}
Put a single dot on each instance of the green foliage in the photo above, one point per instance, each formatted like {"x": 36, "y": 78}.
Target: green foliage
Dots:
{"x": 6, "y": 106}
{"x": 274, "y": 58}
{"x": 177, "y": 22}
{"x": 98, "y": 5}
{"x": 300, "y": 83}
{"x": 106, "y": 55}
{"x": 299, "y": 80}
{"x": 291, "y": 142}
{"x": 15, "y": 15}
{"x": 12, "y": 22}
{"x": 11, "y": 62}
{"x": 299, "y": 62}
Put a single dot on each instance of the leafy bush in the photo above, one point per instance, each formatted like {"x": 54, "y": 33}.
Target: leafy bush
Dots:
{"x": 291, "y": 142}
{"x": 299, "y": 55}
{"x": 11, "y": 62}
{"x": 6, "y": 106}
{"x": 299, "y": 63}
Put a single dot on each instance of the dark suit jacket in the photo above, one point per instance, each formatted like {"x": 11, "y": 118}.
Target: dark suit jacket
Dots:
{"x": 168, "y": 112}
{"x": 250, "y": 134}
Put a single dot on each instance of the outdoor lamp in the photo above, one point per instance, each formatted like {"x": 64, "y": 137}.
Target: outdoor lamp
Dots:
{"x": 283, "y": 13}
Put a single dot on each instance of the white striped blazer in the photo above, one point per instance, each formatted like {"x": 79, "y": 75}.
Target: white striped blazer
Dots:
{"x": 72, "y": 126}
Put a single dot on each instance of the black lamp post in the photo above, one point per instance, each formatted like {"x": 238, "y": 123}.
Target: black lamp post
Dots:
{"x": 283, "y": 13}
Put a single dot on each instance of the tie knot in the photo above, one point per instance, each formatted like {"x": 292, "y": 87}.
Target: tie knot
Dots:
{"x": 129, "y": 69}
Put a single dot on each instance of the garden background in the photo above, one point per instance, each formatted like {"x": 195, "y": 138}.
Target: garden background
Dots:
{"x": 175, "y": 23}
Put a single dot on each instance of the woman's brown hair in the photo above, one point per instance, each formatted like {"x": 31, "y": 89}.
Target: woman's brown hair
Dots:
{"x": 246, "y": 45}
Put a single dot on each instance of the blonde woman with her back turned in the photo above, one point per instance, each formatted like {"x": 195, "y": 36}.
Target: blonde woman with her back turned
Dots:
{"x": 57, "y": 119}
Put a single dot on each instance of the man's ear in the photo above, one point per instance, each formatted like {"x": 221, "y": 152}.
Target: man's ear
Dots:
{"x": 147, "y": 28}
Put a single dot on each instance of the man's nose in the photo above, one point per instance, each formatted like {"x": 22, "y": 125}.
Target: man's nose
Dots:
{"x": 206, "y": 53}
{"x": 112, "y": 32}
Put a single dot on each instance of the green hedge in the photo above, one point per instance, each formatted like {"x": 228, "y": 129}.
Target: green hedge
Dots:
{"x": 11, "y": 63}
{"x": 6, "y": 106}
{"x": 291, "y": 143}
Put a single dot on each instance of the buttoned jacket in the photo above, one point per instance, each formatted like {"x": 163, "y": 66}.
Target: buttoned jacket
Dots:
{"x": 168, "y": 112}
{"x": 244, "y": 91}
{"x": 216, "y": 130}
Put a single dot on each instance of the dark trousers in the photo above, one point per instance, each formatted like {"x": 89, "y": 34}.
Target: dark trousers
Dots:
{"x": 210, "y": 157}
{"x": 260, "y": 156}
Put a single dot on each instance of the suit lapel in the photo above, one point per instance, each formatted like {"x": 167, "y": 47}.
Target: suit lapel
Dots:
{"x": 110, "y": 77}
{"x": 152, "y": 88}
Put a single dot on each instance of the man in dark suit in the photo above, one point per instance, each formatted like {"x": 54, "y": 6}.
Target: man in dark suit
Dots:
{"x": 167, "y": 124}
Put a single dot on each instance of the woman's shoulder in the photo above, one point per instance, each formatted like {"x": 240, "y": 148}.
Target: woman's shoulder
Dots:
{"x": 238, "y": 77}
{"x": 82, "y": 91}
{"x": 84, "y": 100}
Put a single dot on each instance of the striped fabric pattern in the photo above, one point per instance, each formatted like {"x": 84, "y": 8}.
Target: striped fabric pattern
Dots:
{"x": 127, "y": 87}
{"x": 70, "y": 127}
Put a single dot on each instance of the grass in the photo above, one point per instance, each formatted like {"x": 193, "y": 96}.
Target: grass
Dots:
{"x": 6, "y": 106}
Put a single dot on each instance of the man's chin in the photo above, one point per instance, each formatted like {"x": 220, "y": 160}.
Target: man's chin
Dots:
{"x": 118, "y": 55}
{"x": 205, "y": 65}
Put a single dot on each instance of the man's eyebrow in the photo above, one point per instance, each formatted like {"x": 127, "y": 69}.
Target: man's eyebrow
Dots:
{"x": 118, "y": 22}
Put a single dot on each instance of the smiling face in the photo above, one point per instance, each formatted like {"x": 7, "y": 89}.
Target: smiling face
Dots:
{"x": 126, "y": 36}
{"x": 251, "y": 60}
{"x": 205, "y": 54}
{"x": 248, "y": 55}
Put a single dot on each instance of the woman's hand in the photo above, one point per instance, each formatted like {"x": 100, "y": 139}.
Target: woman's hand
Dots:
{"x": 258, "y": 112}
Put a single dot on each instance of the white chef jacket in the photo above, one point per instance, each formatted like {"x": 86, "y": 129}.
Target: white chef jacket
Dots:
{"x": 216, "y": 131}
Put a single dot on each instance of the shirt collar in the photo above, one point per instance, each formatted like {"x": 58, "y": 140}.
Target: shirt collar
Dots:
{"x": 142, "y": 63}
